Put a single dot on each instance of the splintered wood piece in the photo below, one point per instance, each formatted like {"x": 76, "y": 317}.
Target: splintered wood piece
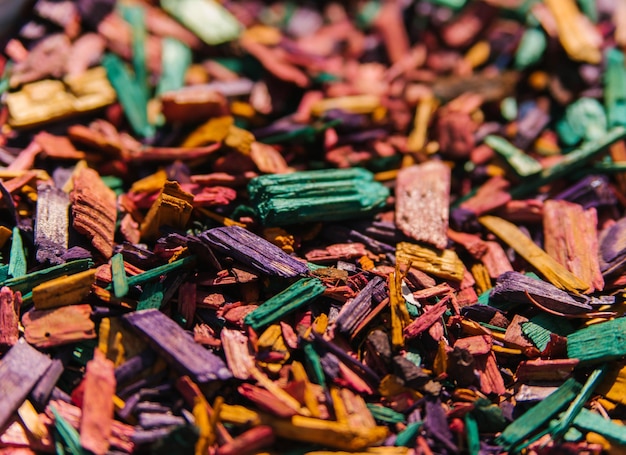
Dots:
{"x": 422, "y": 202}
{"x": 536, "y": 417}
{"x": 571, "y": 237}
{"x": 267, "y": 159}
{"x": 491, "y": 195}
{"x": 599, "y": 342}
{"x": 97, "y": 418}
{"x": 441, "y": 263}
{"x": 357, "y": 309}
{"x": 20, "y": 370}
{"x": 400, "y": 318}
{"x": 490, "y": 378}
{"x": 496, "y": 260}
{"x": 59, "y": 147}
{"x": 63, "y": 291}
{"x": 254, "y": 251}
{"x": 249, "y": 442}
{"x": 295, "y": 296}
{"x": 546, "y": 370}
{"x": 237, "y": 353}
{"x": 177, "y": 346}
{"x": 613, "y": 386}
{"x": 51, "y": 223}
{"x": 46, "y": 328}
{"x": 475, "y": 345}
{"x": 471, "y": 242}
{"x": 515, "y": 287}
{"x": 172, "y": 208}
{"x": 118, "y": 276}
{"x": 427, "y": 319}
{"x": 554, "y": 272}
{"x": 9, "y": 317}
{"x": 94, "y": 210}
{"x": 514, "y": 334}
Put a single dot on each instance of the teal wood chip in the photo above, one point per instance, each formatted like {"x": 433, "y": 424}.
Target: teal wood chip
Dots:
{"x": 275, "y": 308}
{"x": 17, "y": 260}
{"x": 538, "y": 416}
{"x": 152, "y": 296}
{"x": 599, "y": 342}
{"x": 118, "y": 273}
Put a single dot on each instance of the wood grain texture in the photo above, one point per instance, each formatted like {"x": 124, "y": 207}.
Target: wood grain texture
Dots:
{"x": 422, "y": 202}
{"x": 20, "y": 370}
{"x": 178, "y": 347}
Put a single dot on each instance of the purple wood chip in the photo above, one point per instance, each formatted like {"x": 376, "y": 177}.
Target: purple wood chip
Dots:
{"x": 178, "y": 347}
{"x": 20, "y": 370}
{"x": 254, "y": 251}
{"x": 355, "y": 311}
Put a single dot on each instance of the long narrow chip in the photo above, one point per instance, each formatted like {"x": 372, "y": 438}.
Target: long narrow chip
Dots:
{"x": 51, "y": 223}
{"x": 177, "y": 346}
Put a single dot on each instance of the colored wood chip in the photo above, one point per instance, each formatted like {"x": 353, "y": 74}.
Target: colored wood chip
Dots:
{"x": 441, "y": 263}
{"x": 63, "y": 291}
{"x": 422, "y": 201}
{"x": 94, "y": 210}
{"x": 601, "y": 342}
{"x": 20, "y": 370}
{"x": 67, "y": 324}
{"x": 254, "y": 251}
{"x": 294, "y": 297}
{"x": 97, "y": 417}
{"x": 177, "y": 346}
{"x": 554, "y": 272}
{"x": 52, "y": 223}
{"x": 571, "y": 238}
{"x": 172, "y": 208}
{"x": 9, "y": 317}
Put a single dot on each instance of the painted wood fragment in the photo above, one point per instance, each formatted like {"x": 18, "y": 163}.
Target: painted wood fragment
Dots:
{"x": 97, "y": 416}
{"x": 295, "y": 296}
{"x": 10, "y": 303}
{"x": 20, "y": 370}
{"x": 172, "y": 208}
{"x": 422, "y": 201}
{"x": 51, "y": 223}
{"x": 94, "y": 210}
{"x": 538, "y": 258}
{"x": 571, "y": 237}
{"x": 329, "y": 195}
{"x": 177, "y": 346}
{"x": 441, "y": 263}
{"x": 597, "y": 343}
{"x": 67, "y": 324}
{"x": 254, "y": 251}
{"x": 63, "y": 291}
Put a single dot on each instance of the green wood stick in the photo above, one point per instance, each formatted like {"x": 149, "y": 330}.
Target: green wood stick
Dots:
{"x": 118, "y": 275}
{"x": 574, "y": 160}
{"x": 523, "y": 164}
{"x": 26, "y": 283}
{"x": 535, "y": 418}
{"x": 161, "y": 270}
{"x": 17, "y": 260}
{"x": 295, "y": 296}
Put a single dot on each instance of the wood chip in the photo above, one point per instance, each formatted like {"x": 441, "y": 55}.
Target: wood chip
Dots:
{"x": 422, "y": 201}
{"x": 97, "y": 417}
{"x": 94, "y": 210}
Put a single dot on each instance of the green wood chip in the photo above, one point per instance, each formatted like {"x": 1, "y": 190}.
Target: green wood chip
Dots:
{"x": 538, "y": 416}
{"x": 599, "y": 342}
